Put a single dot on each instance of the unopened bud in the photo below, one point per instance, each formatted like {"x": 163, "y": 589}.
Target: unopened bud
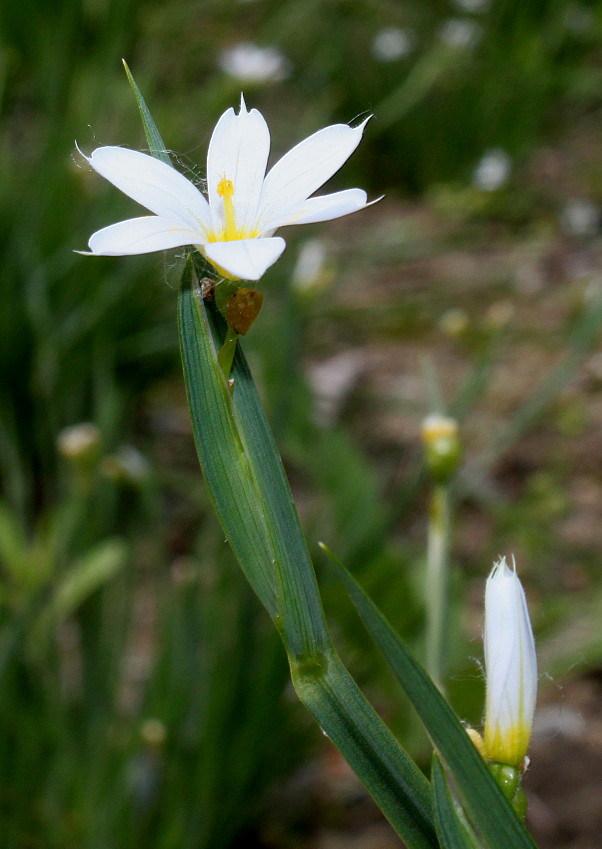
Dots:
{"x": 126, "y": 465}
{"x": 508, "y": 779}
{"x": 441, "y": 446}
{"x": 153, "y": 732}
{"x": 511, "y": 668}
{"x": 80, "y": 443}
{"x": 477, "y": 740}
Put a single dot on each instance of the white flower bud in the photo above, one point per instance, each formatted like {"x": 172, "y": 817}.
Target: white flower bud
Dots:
{"x": 511, "y": 667}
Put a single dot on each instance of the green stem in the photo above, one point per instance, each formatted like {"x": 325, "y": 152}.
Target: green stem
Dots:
{"x": 437, "y": 584}
{"x": 225, "y": 357}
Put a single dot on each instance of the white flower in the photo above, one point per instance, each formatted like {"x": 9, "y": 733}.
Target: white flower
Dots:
{"x": 249, "y": 63}
{"x": 511, "y": 667}
{"x": 460, "y": 33}
{"x": 310, "y": 268}
{"x": 234, "y": 228}
{"x": 392, "y": 43}
{"x": 580, "y": 217}
{"x": 475, "y": 6}
{"x": 493, "y": 170}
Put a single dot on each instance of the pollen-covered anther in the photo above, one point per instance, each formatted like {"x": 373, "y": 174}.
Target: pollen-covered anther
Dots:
{"x": 225, "y": 189}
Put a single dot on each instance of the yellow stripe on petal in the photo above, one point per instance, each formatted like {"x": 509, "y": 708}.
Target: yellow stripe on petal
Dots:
{"x": 508, "y": 746}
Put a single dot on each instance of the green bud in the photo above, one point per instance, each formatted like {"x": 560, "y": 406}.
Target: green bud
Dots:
{"x": 441, "y": 446}
{"x": 519, "y": 803}
{"x": 507, "y": 779}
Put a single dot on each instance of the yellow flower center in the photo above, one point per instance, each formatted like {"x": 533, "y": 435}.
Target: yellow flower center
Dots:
{"x": 225, "y": 189}
{"x": 230, "y": 232}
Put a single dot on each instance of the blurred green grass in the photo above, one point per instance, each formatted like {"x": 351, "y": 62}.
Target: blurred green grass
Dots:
{"x": 119, "y": 605}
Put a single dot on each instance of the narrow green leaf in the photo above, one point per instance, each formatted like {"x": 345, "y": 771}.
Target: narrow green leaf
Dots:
{"x": 13, "y": 544}
{"x": 399, "y": 788}
{"x": 223, "y": 461}
{"x": 86, "y": 576}
{"x": 488, "y": 810}
{"x": 155, "y": 143}
{"x": 299, "y": 604}
{"x": 244, "y": 475}
{"x": 451, "y": 830}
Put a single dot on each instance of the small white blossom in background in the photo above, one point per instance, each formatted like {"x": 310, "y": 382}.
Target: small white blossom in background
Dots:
{"x": 580, "y": 217}
{"x": 460, "y": 33}
{"x": 251, "y": 64}
{"x": 310, "y": 269}
{"x": 233, "y": 228}
{"x": 454, "y": 322}
{"x": 493, "y": 170}
{"x": 80, "y": 442}
{"x": 392, "y": 43}
{"x": 332, "y": 381}
{"x": 127, "y": 465}
{"x": 499, "y": 315}
{"x": 510, "y": 667}
{"x": 472, "y": 6}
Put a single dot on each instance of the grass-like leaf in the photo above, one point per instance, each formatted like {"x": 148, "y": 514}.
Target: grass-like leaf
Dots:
{"x": 155, "y": 143}
{"x": 451, "y": 830}
{"x": 244, "y": 475}
{"x": 487, "y": 808}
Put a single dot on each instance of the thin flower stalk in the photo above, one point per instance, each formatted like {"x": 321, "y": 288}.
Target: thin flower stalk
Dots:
{"x": 437, "y": 584}
{"x": 442, "y": 453}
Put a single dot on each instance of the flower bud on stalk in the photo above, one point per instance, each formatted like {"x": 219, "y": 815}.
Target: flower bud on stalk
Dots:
{"x": 441, "y": 446}
{"x": 511, "y": 668}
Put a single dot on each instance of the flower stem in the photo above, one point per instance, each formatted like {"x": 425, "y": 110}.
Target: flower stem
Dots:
{"x": 437, "y": 584}
{"x": 226, "y": 353}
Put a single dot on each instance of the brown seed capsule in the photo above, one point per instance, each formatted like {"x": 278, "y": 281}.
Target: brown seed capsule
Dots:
{"x": 242, "y": 309}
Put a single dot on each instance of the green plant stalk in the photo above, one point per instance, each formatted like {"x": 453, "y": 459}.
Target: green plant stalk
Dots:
{"x": 452, "y": 829}
{"x": 246, "y": 481}
{"x": 437, "y": 584}
{"x": 226, "y": 353}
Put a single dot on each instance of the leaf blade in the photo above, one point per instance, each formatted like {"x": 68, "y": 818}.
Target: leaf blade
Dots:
{"x": 451, "y": 831}
{"x": 155, "y": 143}
{"x": 244, "y": 476}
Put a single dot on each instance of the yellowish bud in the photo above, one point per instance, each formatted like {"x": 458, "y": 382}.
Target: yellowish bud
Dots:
{"x": 441, "y": 446}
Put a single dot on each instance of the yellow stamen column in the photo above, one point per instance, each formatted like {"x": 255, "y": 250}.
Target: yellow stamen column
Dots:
{"x": 225, "y": 189}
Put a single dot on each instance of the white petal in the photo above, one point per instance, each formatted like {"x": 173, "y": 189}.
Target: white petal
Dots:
{"x": 153, "y": 184}
{"x": 321, "y": 208}
{"x": 306, "y": 167}
{"x": 244, "y": 259}
{"x": 141, "y": 236}
{"x": 510, "y": 659}
{"x": 238, "y": 151}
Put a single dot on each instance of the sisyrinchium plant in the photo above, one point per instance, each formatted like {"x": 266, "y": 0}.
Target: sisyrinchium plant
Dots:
{"x": 229, "y": 241}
